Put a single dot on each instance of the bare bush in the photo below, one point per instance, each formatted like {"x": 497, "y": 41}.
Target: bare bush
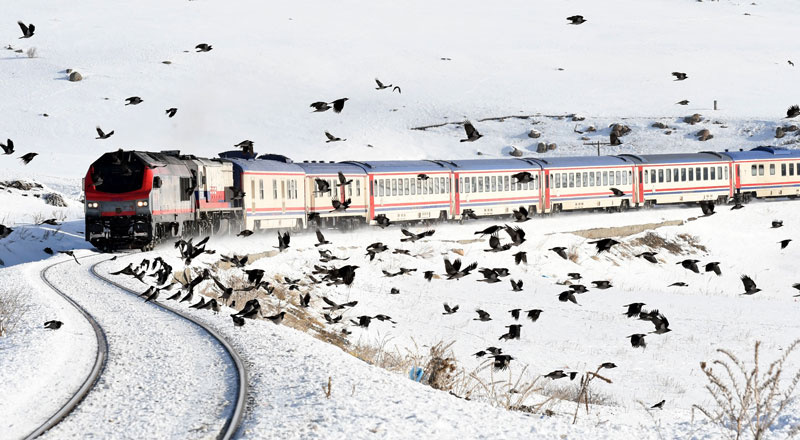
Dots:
{"x": 748, "y": 400}
{"x": 12, "y": 308}
{"x": 31, "y": 52}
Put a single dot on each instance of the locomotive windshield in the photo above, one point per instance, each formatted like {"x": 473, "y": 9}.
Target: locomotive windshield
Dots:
{"x": 118, "y": 172}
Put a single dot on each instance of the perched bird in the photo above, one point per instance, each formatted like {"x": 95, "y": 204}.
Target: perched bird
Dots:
{"x": 472, "y": 133}
{"x": 602, "y": 284}
{"x": 320, "y": 106}
{"x": 574, "y": 276}
{"x": 633, "y": 309}
{"x": 482, "y": 315}
{"x": 777, "y": 223}
{"x": 522, "y": 177}
{"x": 637, "y": 340}
{"x": 283, "y": 241}
{"x": 737, "y": 205}
{"x": 749, "y": 285}
{"x": 48, "y": 251}
{"x": 277, "y": 319}
{"x": 560, "y": 250}
{"x": 102, "y": 135}
{"x": 690, "y": 264}
{"x": 8, "y": 147}
{"x": 449, "y": 310}
{"x": 785, "y": 243}
{"x": 567, "y": 295}
{"x": 338, "y": 104}
{"x": 468, "y": 214}
{"x": 576, "y": 19}
{"x": 617, "y": 192}
{"x": 198, "y": 304}
{"x": 28, "y": 157}
{"x": 381, "y": 86}
{"x": 578, "y": 288}
{"x": 246, "y": 144}
{"x": 680, "y": 76}
{"x": 332, "y": 138}
{"x": 171, "y": 112}
{"x": 203, "y": 47}
{"x": 521, "y": 257}
{"x": 153, "y": 296}
{"x": 321, "y": 239}
{"x": 684, "y": 102}
{"x": 50, "y": 221}
{"x": 659, "y": 405}
{"x": 245, "y": 233}
{"x": 53, "y": 325}
{"x": 27, "y": 31}
{"x": 533, "y": 314}
{"x": 134, "y": 100}
{"x": 423, "y": 177}
{"x": 238, "y": 321}
{"x": 649, "y": 256}
{"x": 793, "y": 111}
{"x": 516, "y": 286}
{"x": 382, "y": 221}
{"x": 714, "y": 267}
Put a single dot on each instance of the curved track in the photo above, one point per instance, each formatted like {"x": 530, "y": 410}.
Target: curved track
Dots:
{"x": 232, "y": 422}
{"x": 97, "y": 369}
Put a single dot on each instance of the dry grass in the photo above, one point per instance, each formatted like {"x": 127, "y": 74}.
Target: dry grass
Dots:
{"x": 684, "y": 243}
{"x": 748, "y": 400}
{"x": 31, "y": 52}
{"x": 12, "y": 309}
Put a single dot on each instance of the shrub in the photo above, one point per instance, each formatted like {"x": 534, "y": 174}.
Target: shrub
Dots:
{"x": 11, "y": 311}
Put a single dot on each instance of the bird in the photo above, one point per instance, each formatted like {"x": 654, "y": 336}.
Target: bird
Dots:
{"x": 516, "y": 286}
{"x": 376, "y": 248}
{"x": 617, "y": 192}
{"x": 449, "y": 310}
{"x": 602, "y": 284}
{"x": 749, "y": 285}
{"x": 198, "y": 304}
{"x": 134, "y": 100}
{"x": 649, "y": 256}
{"x": 397, "y": 89}
{"x": 559, "y": 374}
{"x": 332, "y": 138}
{"x": 339, "y": 206}
{"x": 678, "y": 284}
{"x": 533, "y": 314}
{"x": 320, "y": 106}
{"x": 338, "y": 104}
{"x": 659, "y": 405}
{"x": 637, "y": 340}
{"x": 472, "y": 133}
{"x": 322, "y": 185}
{"x": 28, "y": 157}
{"x": 521, "y": 257}
{"x": 714, "y": 267}
{"x": 382, "y": 221}
{"x": 613, "y": 138}
{"x": 490, "y": 230}
{"x": 501, "y": 361}
{"x": 245, "y": 233}
{"x": 50, "y": 221}
{"x": 793, "y": 111}
{"x": 576, "y": 19}
{"x": 277, "y": 319}
{"x": 633, "y": 309}
{"x": 8, "y": 147}
{"x": 604, "y": 244}
{"x": 175, "y": 296}
{"x": 578, "y": 288}
{"x": 482, "y": 315}
{"x": 521, "y": 215}
{"x": 283, "y": 241}
{"x": 790, "y": 63}
{"x": 53, "y": 325}
{"x": 423, "y": 177}
{"x": 516, "y": 234}
{"x": 238, "y": 321}
{"x": 454, "y": 271}
{"x": 381, "y": 86}
{"x": 27, "y": 31}
{"x": 246, "y": 144}
{"x": 153, "y": 296}
{"x": 321, "y": 239}
{"x": 489, "y": 276}
{"x": 332, "y": 306}
{"x": 777, "y": 223}
{"x": 428, "y": 275}
{"x": 203, "y": 47}
{"x": 71, "y": 254}
{"x": 684, "y": 102}
{"x": 513, "y": 332}
{"x": 680, "y": 76}
{"x": 608, "y": 365}
{"x": 785, "y": 243}
{"x": 659, "y": 321}
{"x": 560, "y": 250}
{"x": 515, "y": 314}
{"x": 102, "y": 135}
{"x": 690, "y": 265}
{"x": 737, "y": 205}
{"x": 363, "y": 321}
{"x": 468, "y": 214}
{"x": 410, "y": 236}
{"x": 568, "y": 295}
{"x": 171, "y": 112}
{"x": 522, "y": 177}
{"x": 343, "y": 180}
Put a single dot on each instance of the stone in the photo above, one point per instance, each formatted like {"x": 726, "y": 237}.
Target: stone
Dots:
{"x": 694, "y": 119}
{"x": 576, "y": 118}
{"x": 704, "y": 135}
{"x": 54, "y": 199}
{"x": 551, "y": 146}
{"x": 75, "y": 76}
{"x": 534, "y": 134}
{"x": 591, "y": 129}
{"x": 620, "y": 129}
{"x": 660, "y": 125}
{"x": 790, "y": 128}
{"x": 779, "y": 132}
{"x": 541, "y": 147}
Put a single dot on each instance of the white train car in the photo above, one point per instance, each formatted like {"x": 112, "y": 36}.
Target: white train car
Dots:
{"x": 487, "y": 188}
{"x": 320, "y": 203}
{"x": 586, "y": 183}
{"x": 766, "y": 172}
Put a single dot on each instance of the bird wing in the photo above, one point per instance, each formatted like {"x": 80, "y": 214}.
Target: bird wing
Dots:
{"x": 406, "y": 233}
{"x": 470, "y": 267}
{"x": 748, "y": 282}
{"x": 23, "y": 27}
{"x": 448, "y": 267}
{"x": 329, "y": 302}
{"x": 494, "y": 241}
{"x": 380, "y": 84}
{"x": 320, "y": 237}
{"x": 469, "y": 128}
{"x": 330, "y": 136}
{"x": 342, "y": 179}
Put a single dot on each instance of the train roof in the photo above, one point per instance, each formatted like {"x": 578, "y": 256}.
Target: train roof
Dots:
{"x": 493, "y": 164}
{"x": 401, "y": 166}
{"x": 266, "y": 166}
{"x": 582, "y": 161}
{"x": 330, "y": 168}
{"x": 764, "y": 153}
{"x": 657, "y": 159}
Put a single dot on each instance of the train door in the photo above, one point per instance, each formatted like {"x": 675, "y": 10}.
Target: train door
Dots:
{"x": 283, "y": 195}
{"x": 253, "y": 194}
{"x": 546, "y": 186}
{"x": 641, "y": 185}
{"x": 738, "y": 178}
{"x": 371, "y": 189}
{"x": 633, "y": 185}
{"x": 456, "y": 199}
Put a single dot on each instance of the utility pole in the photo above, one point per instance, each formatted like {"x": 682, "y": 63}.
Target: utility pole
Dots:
{"x": 597, "y": 144}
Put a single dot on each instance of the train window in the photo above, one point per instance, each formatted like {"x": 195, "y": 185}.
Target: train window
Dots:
{"x": 705, "y": 173}
{"x": 577, "y": 180}
{"x": 697, "y": 173}
{"x": 605, "y": 178}
{"x": 556, "y": 181}
{"x": 713, "y": 174}
{"x": 274, "y": 189}
{"x": 486, "y": 183}
{"x": 683, "y": 175}
{"x": 611, "y": 180}
{"x": 661, "y": 175}
{"x": 585, "y": 179}
{"x": 783, "y": 169}
{"x": 380, "y": 188}
{"x": 414, "y": 187}
{"x": 480, "y": 184}
{"x": 186, "y": 188}
{"x": 536, "y": 182}
{"x": 447, "y": 184}
{"x": 350, "y": 190}
{"x": 772, "y": 169}
{"x": 719, "y": 173}
{"x": 506, "y": 181}
{"x": 406, "y": 187}
{"x": 394, "y": 187}
{"x": 474, "y": 186}
{"x": 676, "y": 173}
{"x": 791, "y": 169}
{"x": 625, "y": 177}
{"x": 591, "y": 179}
{"x": 358, "y": 188}
{"x": 652, "y": 176}
{"x": 753, "y": 170}
{"x": 761, "y": 170}
{"x": 494, "y": 183}
{"x": 435, "y": 185}
{"x": 691, "y": 174}
{"x": 261, "y": 189}
{"x": 572, "y": 180}
{"x": 430, "y": 186}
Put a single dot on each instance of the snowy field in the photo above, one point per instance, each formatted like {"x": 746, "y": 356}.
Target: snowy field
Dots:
{"x": 509, "y": 68}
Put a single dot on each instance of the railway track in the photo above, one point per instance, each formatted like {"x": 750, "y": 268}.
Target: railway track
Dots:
{"x": 234, "y": 408}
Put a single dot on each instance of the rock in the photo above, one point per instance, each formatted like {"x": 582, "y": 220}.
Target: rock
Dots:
{"x": 591, "y": 129}
{"x": 694, "y": 119}
{"x": 479, "y": 153}
{"x": 578, "y": 118}
{"x": 515, "y": 152}
{"x": 75, "y": 76}
{"x": 620, "y": 129}
{"x": 704, "y": 135}
{"x": 551, "y": 146}
{"x": 534, "y": 134}
{"x": 458, "y": 251}
{"x": 541, "y": 147}
{"x": 668, "y": 132}
{"x": 584, "y": 138}
{"x": 790, "y": 128}
{"x": 660, "y": 125}
{"x": 779, "y": 132}
{"x": 54, "y": 199}
{"x": 20, "y": 185}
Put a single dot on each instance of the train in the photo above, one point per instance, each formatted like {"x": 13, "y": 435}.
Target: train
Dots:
{"x": 135, "y": 199}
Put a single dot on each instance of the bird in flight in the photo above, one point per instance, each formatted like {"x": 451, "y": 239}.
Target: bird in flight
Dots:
{"x": 338, "y": 105}
{"x": 134, "y": 100}
{"x": 28, "y": 157}
{"x": 472, "y": 133}
{"x": 332, "y": 138}
{"x": 171, "y": 112}
{"x": 102, "y": 135}
{"x": 8, "y": 147}
{"x": 680, "y": 76}
{"x": 203, "y": 47}
{"x": 576, "y": 19}
{"x": 27, "y": 31}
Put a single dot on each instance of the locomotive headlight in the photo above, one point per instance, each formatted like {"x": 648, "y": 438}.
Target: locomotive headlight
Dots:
{"x": 141, "y": 203}
{"x": 93, "y": 204}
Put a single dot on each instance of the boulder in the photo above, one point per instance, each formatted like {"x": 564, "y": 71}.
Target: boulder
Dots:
{"x": 534, "y": 134}
{"x": 551, "y": 146}
{"x": 576, "y": 118}
{"x": 660, "y": 125}
{"x": 694, "y": 119}
{"x": 54, "y": 199}
{"x": 704, "y": 135}
{"x": 541, "y": 147}
{"x": 779, "y": 133}
{"x": 75, "y": 76}
{"x": 620, "y": 129}
{"x": 790, "y": 128}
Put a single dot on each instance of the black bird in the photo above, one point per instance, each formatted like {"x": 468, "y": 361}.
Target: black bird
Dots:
{"x": 175, "y": 296}
{"x": 401, "y": 251}
{"x": 376, "y": 248}
{"x": 283, "y": 241}
{"x": 227, "y": 292}
{"x": 690, "y": 264}
{"x": 449, "y": 310}
{"x": 397, "y": 89}
{"x": 574, "y": 276}
{"x": 171, "y": 112}
{"x": 250, "y": 310}
{"x": 660, "y": 322}
{"x": 322, "y": 186}
{"x": 332, "y": 320}
{"x": 27, "y": 31}
{"x": 382, "y": 221}
{"x": 414, "y": 237}
{"x": 714, "y": 267}
{"x": 777, "y": 223}
{"x": 576, "y": 19}
{"x": 559, "y": 374}
{"x": 50, "y": 221}
{"x": 522, "y": 177}
{"x": 321, "y": 239}
{"x": 785, "y": 243}
{"x": 680, "y": 76}
{"x": 203, "y": 47}
{"x": 793, "y": 111}
{"x": 468, "y": 214}
{"x": 28, "y": 157}
{"x": 737, "y": 205}
{"x": 423, "y": 177}
{"x": 198, "y": 304}
{"x": 246, "y": 144}
{"x": 617, "y": 192}
{"x": 482, "y": 315}
{"x": 472, "y": 133}
{"x": 608, "y": 365}
{"x": 71, "y": 254}
{"x": 454, "y": 270}
{"x": 533, "y": 314}
{"x": 8, "y": 147}
{"x": 521, "y": 257}
{"x": 338, "y": 104}
{"x": 363, "y": 321}
{"x": 516, "y": 286}
{"x": 649, "y": 256}
{"x": 678, "y": 284}
{"x": 560, "y": 250}
{"x": 602, "y": 284}
{"x": 238, "y": 321}
{"x": 516, "y": 234}
{"x": 332, "y": 138}
{"x": 102, "y": 135}
{"x": 501, "y": 361}
{"x": 490, "y": 230}
{"x": 604, "y": 244}
{"x": 637, "y": 340}
{"x": 513, "y": 332}
{"x": 245, "y": 233}
{"x": 153, "y": 296}
{"x": 381, "y": 86}
{"x": 684, "y": 102}
{"x": 332, "y": 306}
{"x": 428, "y": 275}
{"x": 277, "y": 319}
{"x": 489, "y": 276}
{"x": 521, "y": 215}
{"x": 320, "y": 106}
{"x": 48, "y": 251}
{"x": 790, "y": 63}
{"x": 578, "y": 288}
{"x": 749, "y": 285}
{"x": 134, "y": 100}
{"x": 515, "y": 314}
{"x": 567, "y": 295}
{"x": 633, "y": 309}
{"x": 659, "y": 405}
{"x": 343, "y": 180}
{"x": 53, "y": 325}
